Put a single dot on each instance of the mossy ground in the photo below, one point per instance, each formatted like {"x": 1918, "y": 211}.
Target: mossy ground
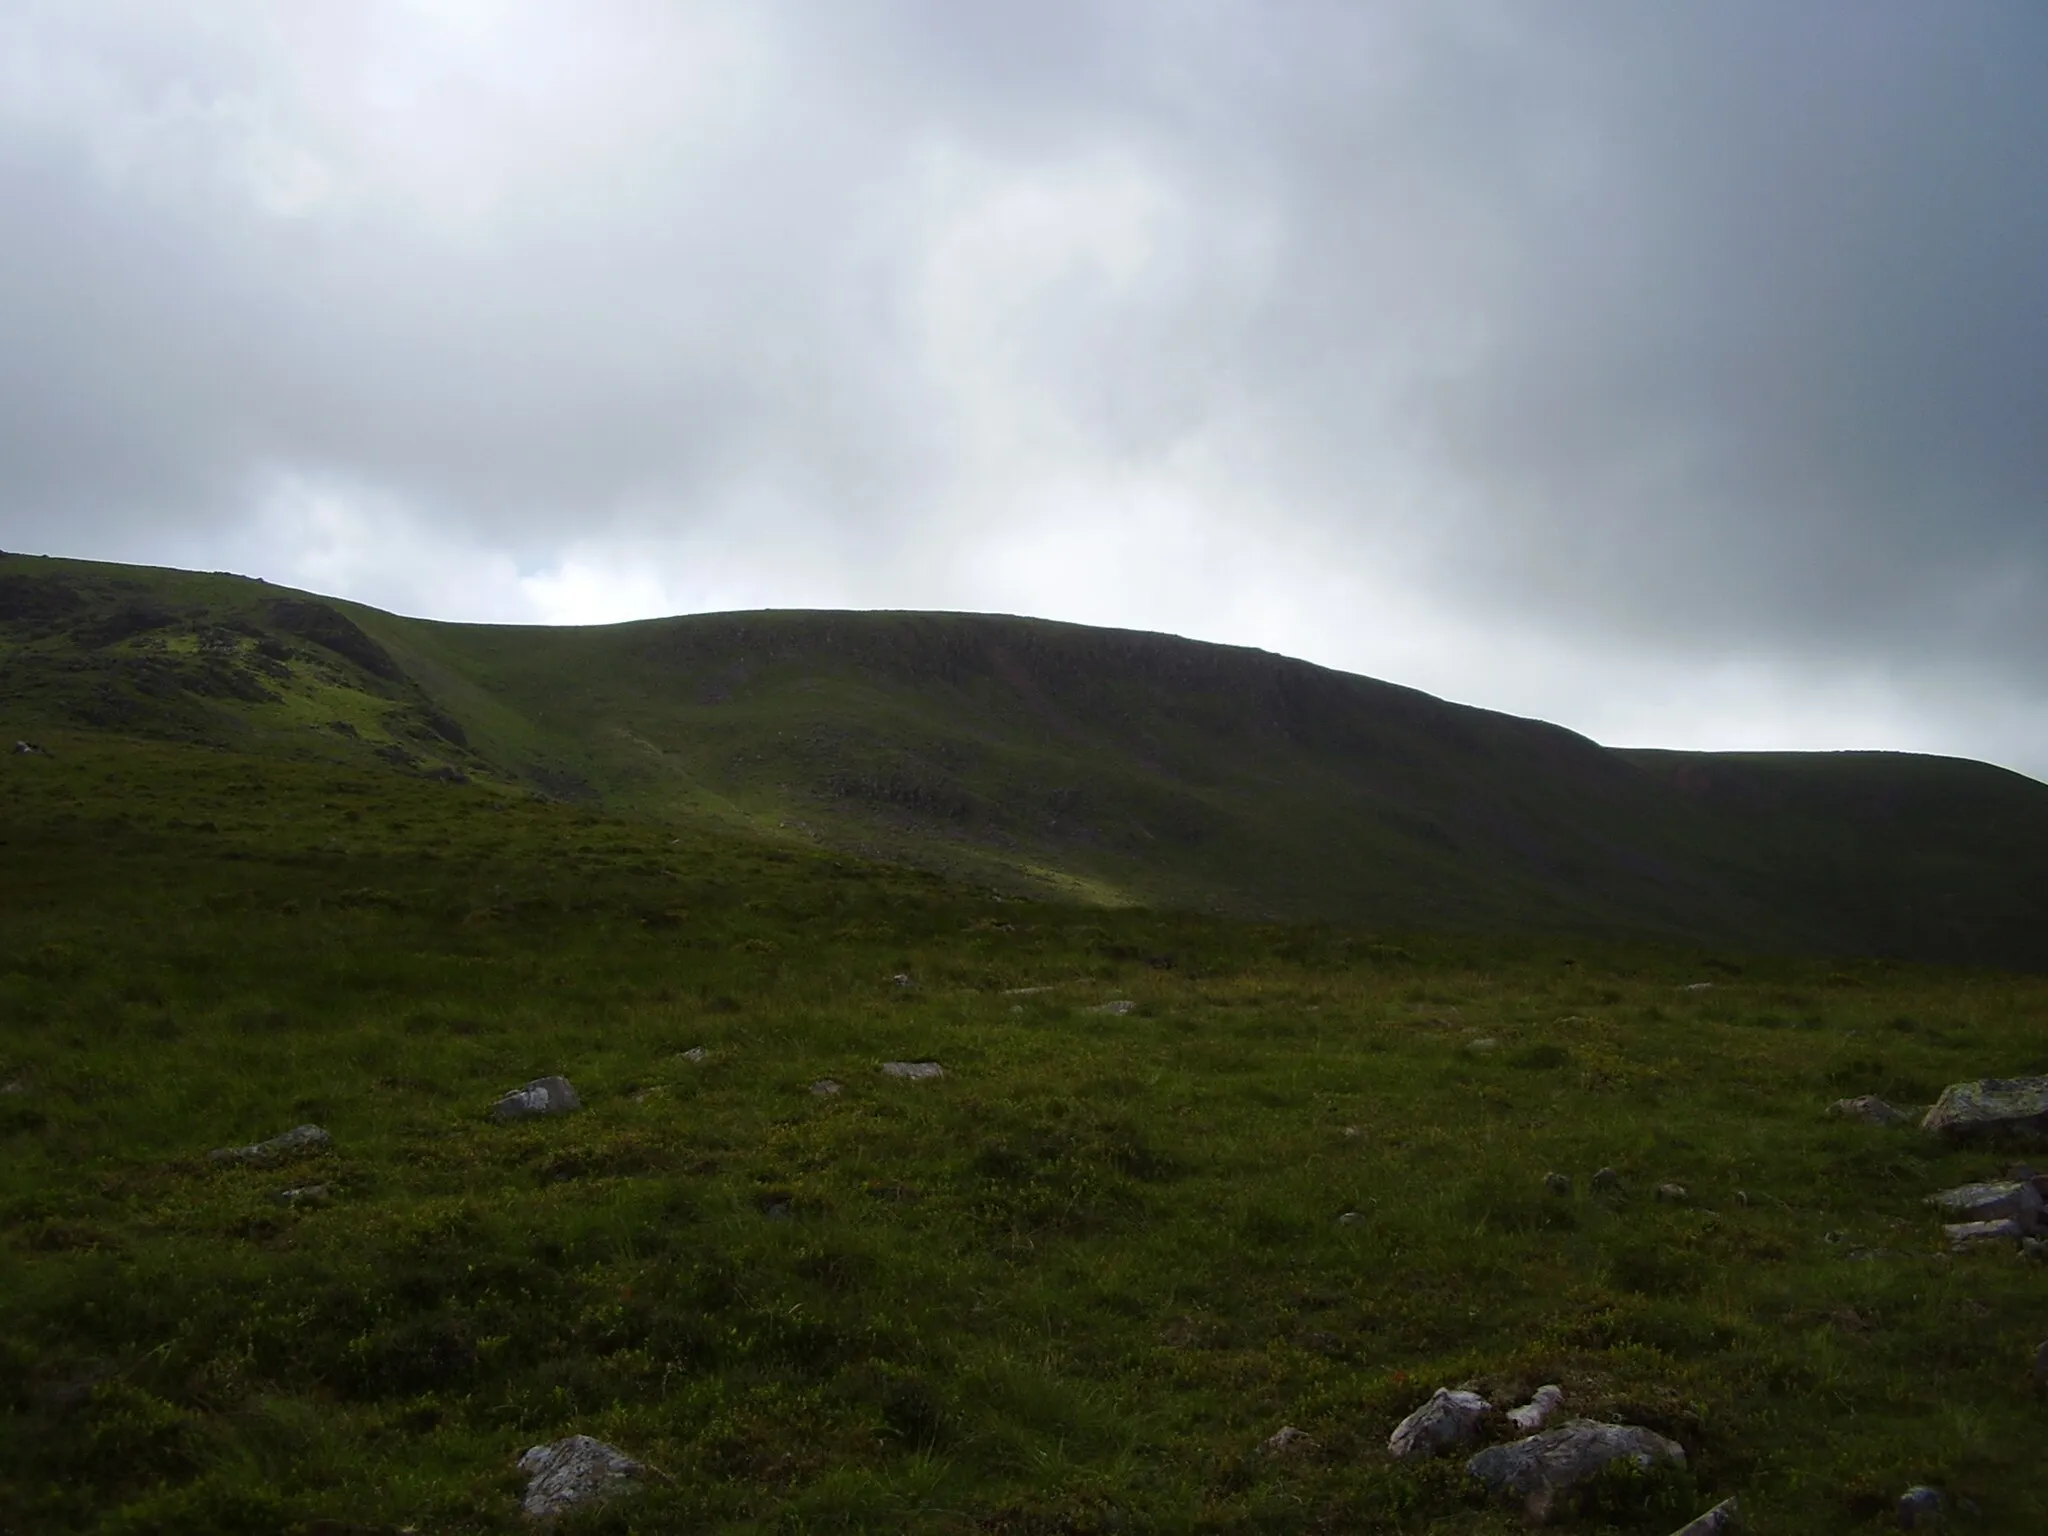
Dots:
{"x": 1070, "y": 1287}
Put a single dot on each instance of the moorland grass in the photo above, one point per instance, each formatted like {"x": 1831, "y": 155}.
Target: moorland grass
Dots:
{"x": 1069, "y": 1287}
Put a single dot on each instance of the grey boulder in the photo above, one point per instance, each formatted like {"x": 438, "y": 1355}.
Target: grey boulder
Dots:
{"x": 570, "y": 1474}
{"x": 1539, "y": 1468}
{"x": 542, "y": 1096}
{"x": 1448, "y": 1420}
{"x": 1992, "y": 1108}
{"x": 299, "y": 1141}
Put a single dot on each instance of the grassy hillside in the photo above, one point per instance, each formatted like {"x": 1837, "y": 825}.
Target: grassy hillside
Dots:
{"x": 1058, "y": 760}
{"x": 1069, "y": 1287}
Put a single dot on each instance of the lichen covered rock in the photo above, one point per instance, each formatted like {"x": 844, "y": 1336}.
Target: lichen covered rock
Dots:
{"x": 572, "y": 1473}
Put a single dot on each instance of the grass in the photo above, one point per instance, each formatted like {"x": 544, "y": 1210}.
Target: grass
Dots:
{"x": 1070, "y": 1287}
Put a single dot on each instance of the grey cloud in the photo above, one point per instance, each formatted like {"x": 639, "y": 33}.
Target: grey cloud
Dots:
{"x": 1707, "y": 332}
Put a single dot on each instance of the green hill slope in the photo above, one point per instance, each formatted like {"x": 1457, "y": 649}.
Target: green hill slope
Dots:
{"x": 1051, "y": 758}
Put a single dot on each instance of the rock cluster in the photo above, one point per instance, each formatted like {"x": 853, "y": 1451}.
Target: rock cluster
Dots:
{"x": 1545, "y": 1463}
{"x": 2010, "y": 1208}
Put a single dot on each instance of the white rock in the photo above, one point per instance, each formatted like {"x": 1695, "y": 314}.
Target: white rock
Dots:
{"x": 1535, "y": 1413}
{"x": 916, "y": 1071}
{"x": 572, "y": 1473}
{"x": 1448, "y": 1420}
{"x": 696, "y": 1053}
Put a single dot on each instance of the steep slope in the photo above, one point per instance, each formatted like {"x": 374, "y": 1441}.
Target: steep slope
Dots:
{"x": 1048, "y": 757}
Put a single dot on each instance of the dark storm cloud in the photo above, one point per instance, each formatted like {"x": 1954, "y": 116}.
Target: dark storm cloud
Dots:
{"x": 1702, "y": 332}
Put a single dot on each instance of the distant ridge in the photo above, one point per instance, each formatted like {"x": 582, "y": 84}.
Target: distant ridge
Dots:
{"x": 1050, "y": 758}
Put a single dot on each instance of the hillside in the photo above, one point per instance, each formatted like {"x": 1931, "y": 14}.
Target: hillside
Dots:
{"x": 1045, "y": 758}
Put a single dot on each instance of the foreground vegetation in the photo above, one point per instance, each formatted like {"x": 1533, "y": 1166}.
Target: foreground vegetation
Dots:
{"x": 1071, "y": 1286}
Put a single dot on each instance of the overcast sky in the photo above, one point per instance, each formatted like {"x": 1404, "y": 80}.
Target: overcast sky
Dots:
{"x": 1678, "y": 373}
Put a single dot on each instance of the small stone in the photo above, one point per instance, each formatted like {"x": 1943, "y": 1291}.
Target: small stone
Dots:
{"x": 1869, "y": 1108}
{"x": 777, "y": 1210}
{"x": 1724, "y": 1519}
{"x": 1697, "y": 986}
{"x": 1742, "y": 1197}
{"x": 573, "y": 1473}
{"x": 1671, "y": 1194}
{"x": 1284, "y": 1439}
{"x": 825, "y": 1087}
{"x": 305, "y": 1194}
{"x": 1348, "y": 1219}
{"x": 916, "y": 1071}
{"x": 901, "y": 978}
{"x": 542, "y": 1096}
{"x": 1122, "y": 1005}
{"x": 696, "y": 1053}
{"x": 1607, "y": 1178}
{"x": 1558, "y": 1183}
{"x": 1921, "y": 1508}
{"x": 1448, "y": 1420}
{"x": 1353, "y": 1132}
{"x": 14, "y": 1086}
{"x": 1483, "y": 1043}
{"x": 296, "y": 1142}
{"x": 1535, "y": 1413}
